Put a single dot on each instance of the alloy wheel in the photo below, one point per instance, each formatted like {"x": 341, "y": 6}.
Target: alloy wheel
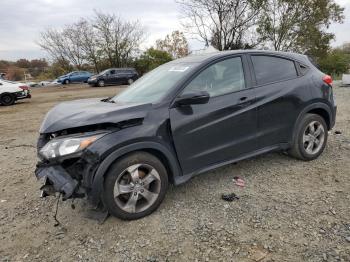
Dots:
{"x": 137, "y": 188}
{"x": 313, "y": 137}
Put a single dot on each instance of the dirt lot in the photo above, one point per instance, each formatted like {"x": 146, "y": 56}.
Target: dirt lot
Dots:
{"x": 289, "y": 210}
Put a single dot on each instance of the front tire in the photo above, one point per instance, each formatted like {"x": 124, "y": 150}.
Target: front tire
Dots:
{"x": 310, "y": 138}
{"x": 7, "y": 99}
{"x": 130, "y": 81}
{"x": 101, "y": 83}
{"x": 135, "y": 186}
{"x": 66, "y": 82}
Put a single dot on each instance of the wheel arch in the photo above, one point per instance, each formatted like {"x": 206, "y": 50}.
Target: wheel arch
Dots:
{"x": 318, "y": 108}
{"x": 8, "y": 93}
{"x": 323, "y": 113}
{"x": 161, "y": 152}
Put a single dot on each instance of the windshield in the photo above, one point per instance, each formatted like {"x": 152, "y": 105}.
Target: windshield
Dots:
{"x": 104, "y": 72}
{"x": 153, "y": 86}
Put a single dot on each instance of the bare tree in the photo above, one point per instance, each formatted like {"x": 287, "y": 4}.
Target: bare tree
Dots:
{"x": 118, "y": 40}
{"x": 106, "y": 39}
{"x": 175, "y": 44}
{"x": 62, "y": 45}
{"x": 221, "y": 23}
{"x": 88, "y": 41}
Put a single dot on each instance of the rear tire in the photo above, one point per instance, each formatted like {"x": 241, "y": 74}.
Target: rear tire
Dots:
{"x": 7, "y": 99}
{"x": 310, "y": 139}
{"x": 135, "y": 186}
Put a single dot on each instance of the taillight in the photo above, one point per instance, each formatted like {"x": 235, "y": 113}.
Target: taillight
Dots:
{"x": 328, "y": 79}
{"x": 24, "y": 87}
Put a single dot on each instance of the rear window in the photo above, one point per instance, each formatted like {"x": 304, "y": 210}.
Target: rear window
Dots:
{"x": 269, "y": 69}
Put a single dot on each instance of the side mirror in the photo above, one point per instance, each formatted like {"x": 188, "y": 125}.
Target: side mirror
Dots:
{"x": 193, "y": 98}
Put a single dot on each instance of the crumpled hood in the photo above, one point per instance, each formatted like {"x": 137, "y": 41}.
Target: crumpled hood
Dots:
{"x": 88, "y": 112}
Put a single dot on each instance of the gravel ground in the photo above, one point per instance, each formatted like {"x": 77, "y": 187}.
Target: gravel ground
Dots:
{"x": 289, "y": 210}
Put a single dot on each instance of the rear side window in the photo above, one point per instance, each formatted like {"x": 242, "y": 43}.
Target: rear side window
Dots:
{"x": 269, "y": 69}
{"x": 303, "y": 69}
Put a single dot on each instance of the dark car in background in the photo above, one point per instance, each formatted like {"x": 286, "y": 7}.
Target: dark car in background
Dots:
{"x": 182, "y": 119}
{"x": 74, "y": 77}
{"x": 114, "y": 76}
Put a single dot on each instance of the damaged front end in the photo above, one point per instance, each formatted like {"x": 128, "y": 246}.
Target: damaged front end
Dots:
{"x": 65, "y": 164}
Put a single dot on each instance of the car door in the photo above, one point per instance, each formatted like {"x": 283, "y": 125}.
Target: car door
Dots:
{"x": 279, "y": 93}
{"x": 117, "y": 79}
{"x": 224, "y": 128}
{"x": 74, "y": 77}
{"x": 122, "y": 76}
{"x": 82, "y": 76}
{"x": 111, "y": 77}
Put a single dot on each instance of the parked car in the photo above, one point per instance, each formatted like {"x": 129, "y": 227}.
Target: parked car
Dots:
{"x": 74, "y": 77}
{"x": 10, "y": 92}
{"x": 182, "y": 119}
{"x": 114, "y": 76}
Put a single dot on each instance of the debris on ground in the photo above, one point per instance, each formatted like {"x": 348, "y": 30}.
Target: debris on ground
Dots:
{"x": 258, "y": 255}
{"x": 239, "y": 181}
{"x": 337, "y": 132}
{"x": 229, "y": 197}
{"x": 285, "y": 204}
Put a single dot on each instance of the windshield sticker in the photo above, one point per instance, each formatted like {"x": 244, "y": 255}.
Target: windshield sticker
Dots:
{"x": 179, "y": 68}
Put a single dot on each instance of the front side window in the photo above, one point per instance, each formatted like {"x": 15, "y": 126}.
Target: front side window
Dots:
{"x": 269, "y": 69}
{"x": 221, "y": 78}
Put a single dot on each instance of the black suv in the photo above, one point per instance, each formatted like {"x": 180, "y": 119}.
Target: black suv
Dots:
{"x": 114, "y": 76}
{"x": 184, "y": 118}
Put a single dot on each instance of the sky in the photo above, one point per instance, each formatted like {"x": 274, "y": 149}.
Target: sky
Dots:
{"x": 21, "y": 21}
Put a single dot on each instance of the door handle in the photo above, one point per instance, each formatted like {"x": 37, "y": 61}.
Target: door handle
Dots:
{"x": 244, "y": 101}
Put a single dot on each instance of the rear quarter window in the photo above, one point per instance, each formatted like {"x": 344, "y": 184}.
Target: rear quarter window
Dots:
{"x": 269, "y": 69}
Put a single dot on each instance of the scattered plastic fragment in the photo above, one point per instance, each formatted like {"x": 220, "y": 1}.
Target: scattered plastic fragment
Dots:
{"x": 229, "y": 197}
{"x": 239, "y": 181}
{"x": 57, "y": 223}
{"x": 3, "y": 200}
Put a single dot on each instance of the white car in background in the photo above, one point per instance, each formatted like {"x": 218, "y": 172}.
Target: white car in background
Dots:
{"x": 10, "y": 92}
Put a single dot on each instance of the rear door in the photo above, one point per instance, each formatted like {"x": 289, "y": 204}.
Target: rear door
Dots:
{"x": 119, "y": 77}
{"x": 225, "y": 127}
{"x": 280, "y": 93}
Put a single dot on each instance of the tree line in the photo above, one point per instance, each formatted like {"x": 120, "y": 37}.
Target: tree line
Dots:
{"x": 107, "y": 40}
{"x": 283, "y": 25}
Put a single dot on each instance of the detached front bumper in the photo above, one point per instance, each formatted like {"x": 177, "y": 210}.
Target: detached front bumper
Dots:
{"x": 57, "y": 180}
